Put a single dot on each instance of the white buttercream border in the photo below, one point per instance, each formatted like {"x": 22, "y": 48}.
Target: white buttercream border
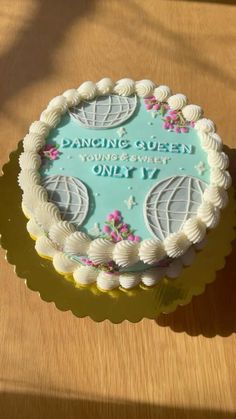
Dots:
{"x": 193, "y": 230}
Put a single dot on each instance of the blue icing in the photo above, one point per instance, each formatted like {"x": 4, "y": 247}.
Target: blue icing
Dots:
{"x": 115, "y": 183}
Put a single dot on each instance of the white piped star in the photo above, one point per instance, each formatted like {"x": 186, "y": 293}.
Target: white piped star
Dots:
{"x": 121, "y": 131}
{"x": 130, "y": 202}
{"x": 200, "y": 167}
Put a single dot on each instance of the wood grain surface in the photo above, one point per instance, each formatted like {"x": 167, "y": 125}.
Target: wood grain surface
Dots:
{"x": 53, "y": 365}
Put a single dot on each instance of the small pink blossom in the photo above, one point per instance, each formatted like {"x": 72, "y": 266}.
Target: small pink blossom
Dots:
{"x": 156, "y": 107}
{"x": 192, "y": 124}
{"x": 136, "y": 238}
{"x": 131, "y": 237}
{"x": 116, "y": 213}
{"x": 106, "y": 229}
{"x": 148, "y": 106}
{"x": 114, "y": 235}
{"x": 184, "y": 130}
{"x": 110, "y": 217}
{"x": 177, "y": 129}
{"x": 117, "y": 219}
{"x": 166, "y": 125}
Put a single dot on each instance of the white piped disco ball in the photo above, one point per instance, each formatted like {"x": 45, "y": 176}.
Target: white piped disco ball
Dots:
{"x": 70, "y": 195}
{"x": 171, "y": 202}
{"x": 104, "y": 111}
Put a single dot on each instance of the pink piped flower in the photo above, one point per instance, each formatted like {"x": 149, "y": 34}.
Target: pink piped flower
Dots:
{"x": 184, "y": 130}
{"x": 50, "y": 152}
{"x": 117, "y": 219}
{"x": 166, "y": 125}
{"x": 137, "y": 239}
{"x": 116, "y": 213}
{"x": 106, "y": 229}
{"x": 131, "y": 237}
{"x": 192, "y": 124}
{"x": 124, "y": 230}
{"x": 156, "y": 107}
{"x": 110, "y": 217}
{"x": 177, "y": 129}
{"x": 114, "y": 236}
{"x": 148, "y": 106}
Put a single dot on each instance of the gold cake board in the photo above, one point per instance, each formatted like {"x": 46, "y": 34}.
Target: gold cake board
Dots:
{"x": 117, "y": 305}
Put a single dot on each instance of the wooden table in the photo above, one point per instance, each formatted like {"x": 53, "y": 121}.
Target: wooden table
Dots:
{"x": 53, "y": 365}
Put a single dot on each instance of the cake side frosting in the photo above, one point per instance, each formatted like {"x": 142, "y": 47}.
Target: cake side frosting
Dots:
{"x": 102, "y": 257}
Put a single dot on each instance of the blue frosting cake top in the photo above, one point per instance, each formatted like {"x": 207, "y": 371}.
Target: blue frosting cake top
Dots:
{"x": 128, "y": 155}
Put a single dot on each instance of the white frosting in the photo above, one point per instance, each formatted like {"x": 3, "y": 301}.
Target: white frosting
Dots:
{"x": 124, "y": 87}
{"x": 51, "y": 117}
{"x": 205, "y": 125}
{"x": 34, "y": 196}
{"x": 129, "y": 280}
{"x": 100, "y": 251}
{"x": 209, "y": 214}
{"x": 58, "y": 102}
{"x": 219, "y": 160}
{"x": 59, "y": 231}
{"x": 188, "y": 257}
{"x": 144, "y": 88}
{"x": 162, "y": 93}
{"x": 29, "y": 160}
{"x": 27, "y": 178}
{"x": 46, "y": 215}
{"x": 176, "y": 244}
{"x": 126, "y": 253}
{"x": 27, "y": 211}
{"x": 151, "y": 251}
{"x": 45, "y": 247}
{"x": 40, "y": 128}
{"x": 33, "y": 142}
{"x": 34, "y": 229}
{"x": 210, "y": 141}
{"x": 216, "y": 195}
{"x": 192, "y": 112}
{"x": 152, "y": 276}
{"x": 77, "y": 244}
{"x": 107, "y": 281}
{"x": 85, "y": 275}
{"x": 63, "y": 264}
{"x": 105, "y": 86}
{"x": 174, "y": 269}
{"x": 220, "y": 178}
{"x": 87, "y": 90}
{"x": 72, "y": 97}
{"x": 177, "y": 102}
{"x": 194, "y": 229}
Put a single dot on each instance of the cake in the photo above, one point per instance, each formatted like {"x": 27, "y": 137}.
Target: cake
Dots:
{"x": 121, "y": 183}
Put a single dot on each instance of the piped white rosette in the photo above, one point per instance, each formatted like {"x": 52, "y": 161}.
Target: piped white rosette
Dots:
{"x": 58, "y": 239}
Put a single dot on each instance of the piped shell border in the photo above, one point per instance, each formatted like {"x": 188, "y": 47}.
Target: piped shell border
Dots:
{"x": 35, "y": 197}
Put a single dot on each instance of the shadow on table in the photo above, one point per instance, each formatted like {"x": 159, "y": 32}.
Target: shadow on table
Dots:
{"x": 15, "y": 405}
{"x": 214, "y": 312}
{"x": 31, "y": 55}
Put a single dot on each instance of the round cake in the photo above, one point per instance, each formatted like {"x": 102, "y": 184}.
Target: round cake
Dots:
{"x": 121, "y": 182}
